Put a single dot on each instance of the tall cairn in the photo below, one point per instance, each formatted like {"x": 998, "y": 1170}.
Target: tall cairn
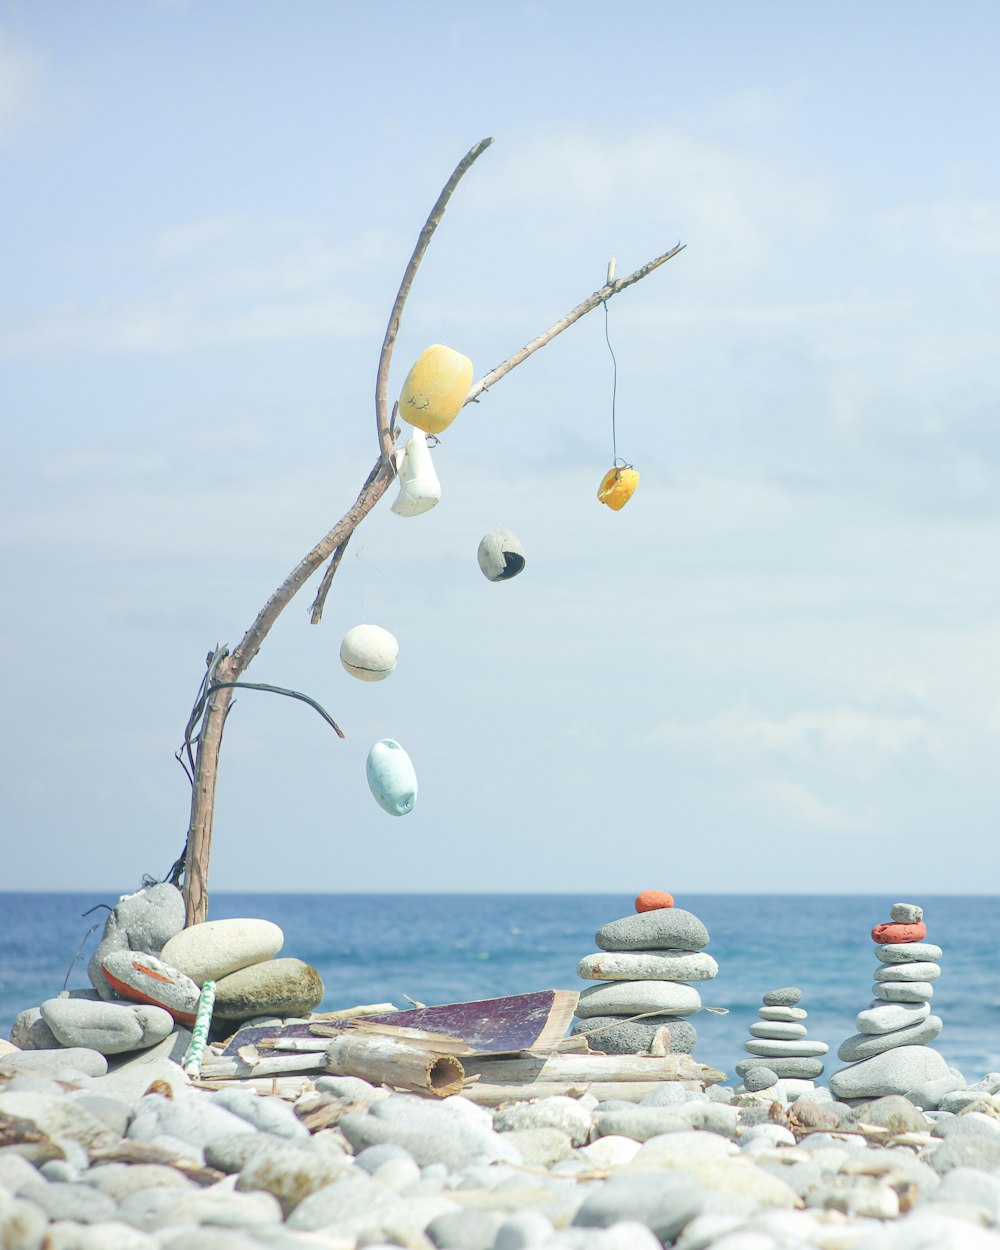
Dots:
{"x": 645, "y": 965}
{"x": 889, "y": 1054}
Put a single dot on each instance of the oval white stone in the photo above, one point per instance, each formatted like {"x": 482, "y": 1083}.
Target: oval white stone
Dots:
{"x": 391, "y": 777}
{"x": 369, "y": 652}
{"x": 629, "y": 998}
{"x": 205, "y": 952}
{"x": 651, "y": 965}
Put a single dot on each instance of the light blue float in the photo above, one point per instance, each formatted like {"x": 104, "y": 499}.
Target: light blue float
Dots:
{"x": 391, "y": 777}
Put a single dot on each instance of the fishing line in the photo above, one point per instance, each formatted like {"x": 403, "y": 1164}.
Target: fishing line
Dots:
{"x": 614, "y": 387}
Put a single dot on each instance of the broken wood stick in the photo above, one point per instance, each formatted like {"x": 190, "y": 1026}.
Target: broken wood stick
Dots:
{"x": 403, "y": 1065}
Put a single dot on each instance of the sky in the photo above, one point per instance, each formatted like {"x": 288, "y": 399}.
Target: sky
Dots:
{"x": 776, "y": 669}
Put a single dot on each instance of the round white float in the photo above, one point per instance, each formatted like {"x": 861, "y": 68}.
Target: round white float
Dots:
{"x": 500, "y": 555}
{"x": 369, "y": 652}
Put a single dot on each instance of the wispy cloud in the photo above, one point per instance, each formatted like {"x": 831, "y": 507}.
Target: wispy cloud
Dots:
{"x": 20, "y": 84}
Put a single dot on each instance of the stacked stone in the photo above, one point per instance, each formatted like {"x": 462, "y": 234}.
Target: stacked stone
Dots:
{"x": 645, "y": 965}
{"x": 889, "y": 1053}
{"x": 147, "y": 975}
{"x": 778, "y": 1043}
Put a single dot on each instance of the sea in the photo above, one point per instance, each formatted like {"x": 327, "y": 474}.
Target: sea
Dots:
{"x": 443, "y": 948}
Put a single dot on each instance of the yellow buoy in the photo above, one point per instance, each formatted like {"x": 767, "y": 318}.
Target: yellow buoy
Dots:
{"x": 617, "y": 487}
{"x": 435, "y": 388}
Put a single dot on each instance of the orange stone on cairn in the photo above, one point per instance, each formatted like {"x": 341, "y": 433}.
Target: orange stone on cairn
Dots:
{"x": 653, "y": 900}
{"x": 892, "y": 933}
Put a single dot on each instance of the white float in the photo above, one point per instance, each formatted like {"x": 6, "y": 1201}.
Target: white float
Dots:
{"x": 391, "y": 777}
{"x": 419, "y": 488}
{"x": 500, "y": 555}
{"x": 369, "y": 652}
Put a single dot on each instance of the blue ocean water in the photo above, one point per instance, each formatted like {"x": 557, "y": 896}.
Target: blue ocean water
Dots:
{"x": 439, "y": 948}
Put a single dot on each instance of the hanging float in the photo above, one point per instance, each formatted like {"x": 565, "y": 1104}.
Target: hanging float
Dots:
{"x": 369, "y": 652}
{"x": 500, "y": 556}
{"x": 419, "y": 488}
{"x": 435, "y": 388}
{"x": 618, "y": 486}
{"x": 391, "y": 777}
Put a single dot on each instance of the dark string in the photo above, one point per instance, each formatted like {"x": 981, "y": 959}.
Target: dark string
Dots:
{"x": 614, "y": 385}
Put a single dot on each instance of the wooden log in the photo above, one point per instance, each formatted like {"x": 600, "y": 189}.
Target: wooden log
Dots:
{"x": 588, "y": 1067}
{"x": 486, "y": 1094}
{"x": 232, "y": 1066}
{"x": 290, "y": 1088}
{"x": 403, "y": 1065}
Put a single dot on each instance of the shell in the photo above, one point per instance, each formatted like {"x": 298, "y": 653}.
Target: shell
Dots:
{"x": 500, "y": 556}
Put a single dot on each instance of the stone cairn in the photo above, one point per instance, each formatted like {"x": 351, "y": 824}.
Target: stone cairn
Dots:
{"x": 645, "y": 964}
{"x": 147, "y": 976}
{"x": 778, "y": 1043}
{"x": 889, "y": 1053}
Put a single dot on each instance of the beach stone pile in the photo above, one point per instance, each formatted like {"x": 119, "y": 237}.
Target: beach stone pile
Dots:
{"x": 146, "y": 977}
{"x": 136, "y": 1157}
{"x": 890, "y": 1053}
{"x": 646, "y": 963}
{"x": 778, "y": 1043}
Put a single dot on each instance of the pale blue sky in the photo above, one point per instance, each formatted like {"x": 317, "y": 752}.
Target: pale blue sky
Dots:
{"x": 775, "y": 669}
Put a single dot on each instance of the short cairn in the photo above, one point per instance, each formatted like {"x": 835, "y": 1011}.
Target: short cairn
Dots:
{"x": 889, "y": 1054}
{"x": 644, "y": 967}
{"x": 778, "y": 1044}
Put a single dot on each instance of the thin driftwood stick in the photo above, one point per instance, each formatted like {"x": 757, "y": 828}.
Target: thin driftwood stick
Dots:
{"x": 384, "y": 1061}
{"x": 611, "y": 287}
{"x": 382, "y": 424}
{"x": 520, "y": 1069}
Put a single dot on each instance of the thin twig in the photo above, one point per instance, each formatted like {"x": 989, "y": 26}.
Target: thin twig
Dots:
{"x": 292, "y": 694}
{"x": 605, "y": 293}
{"x": 382, "y": 424}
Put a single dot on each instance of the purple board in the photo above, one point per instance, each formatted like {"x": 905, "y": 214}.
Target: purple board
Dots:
{"x": 517, "y": 1022}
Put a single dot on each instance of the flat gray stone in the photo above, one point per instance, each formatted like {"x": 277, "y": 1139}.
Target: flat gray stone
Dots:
{"x": 465, "y": 1230}
{"x": 887, "y": 1017}
{"x": 648, "y": 965}
{"x": 192, "y": 1119}
{"x": 291, "y": 1173}
{"x": 864, "y": 1045}
{"x": 118, "y": 1180}
{"x": 664, "y": 1203}
{"x": 559, "y": 1112}
{"x": 61, "y": 1200}
{"x": 630, "y": 998}
{"x": 903, "y": 991}
{"x": 282, "y": 987}
{"x": 929, "y": 1095}
{"x": 270, "y": 1115}
{"x": 111, "y": 1028}
{"x": 30, "y": 1032}
{"x": 635, "y": 1038}
{"x": 640, "y": 1123}
{"x": 799, "y": 1048}
{"x": 908, "y": 972}
{"x": 349, "y": 1207}
{"x": 522, "y": 1230}
{"x": 778, "y": 1030}
{"x": 782, "y": 1013}
{"x": 664, "y": 928}
{"x": 893, "y": 1112}
{"x": 787, "y": 996}
{"x": 893, "y": 1072}
{"x": 799, "y": 1068}
{"x": 63, "y": 1064}
{"x": 906, "y": 913}
{"x": 457, "y": 1142}
{"x": 976, "y": 1152}
{"x": 908, "y": 952}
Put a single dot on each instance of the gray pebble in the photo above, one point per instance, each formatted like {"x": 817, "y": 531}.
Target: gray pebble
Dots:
{"x": 906, "y": 913}
{"x": 787, "y": 996}
{"x": 270, "y": 1115}
{"x": 782, "y": 1013}
{"x": 523, "y": 1230}
{"x": 372, "y": 1158}
{"x": 556, "y": 1112}
{"x": 64, "y": 1063}
{"x": 893, "y": 1112}
{"x": 640, "y": 1123}
{"x": 864, "y": 1045}
{"x": 465, "y": 1230}
{"x": 665, "y": 928}
{"x": 908, "y": 972}
{"x": 804, "y": 1068}
{"x": 966, "y": 1152}
{"x": 64, "y": 1201}
{"x": 778, "y": 1030}
{"x": 903, "y": 991}
{"x": 760, "y": 1078}
{"x": 291, "y": 1174}
{"x": 350, "y": 1088}
{"x": 908, "y": 952}
{"x": 616, "y": 1038}
{"x": 663, "y": 1202}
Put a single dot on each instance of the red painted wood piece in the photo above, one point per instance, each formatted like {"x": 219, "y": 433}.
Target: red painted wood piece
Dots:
{"x": 892, "y": 933}
{"x": 653, "y": 900}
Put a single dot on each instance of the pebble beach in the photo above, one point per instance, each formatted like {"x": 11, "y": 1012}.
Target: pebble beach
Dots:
{"x": 110, "y": 1139}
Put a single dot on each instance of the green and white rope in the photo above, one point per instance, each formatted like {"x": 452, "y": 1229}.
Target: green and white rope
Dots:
{"x": 199, "y": 1034}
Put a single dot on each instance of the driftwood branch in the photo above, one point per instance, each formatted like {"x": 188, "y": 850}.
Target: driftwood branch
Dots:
{"x": 226, "y": 669}
{"x": 610, "y": 288}
{"x": 392, "y": 329}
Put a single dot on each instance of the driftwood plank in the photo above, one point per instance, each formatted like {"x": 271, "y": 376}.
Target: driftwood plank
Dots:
{"x": 562, "y": 1067}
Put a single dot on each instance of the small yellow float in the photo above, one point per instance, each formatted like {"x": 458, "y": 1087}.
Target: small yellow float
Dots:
{"x": 618, "y": 486}
{"x": 435, "y": 388}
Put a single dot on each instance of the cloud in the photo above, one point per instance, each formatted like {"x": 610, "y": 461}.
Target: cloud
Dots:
{"x": 20, "y": 81}
{"x": 961, "y": 225}
{"x": 798, "y": 801}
